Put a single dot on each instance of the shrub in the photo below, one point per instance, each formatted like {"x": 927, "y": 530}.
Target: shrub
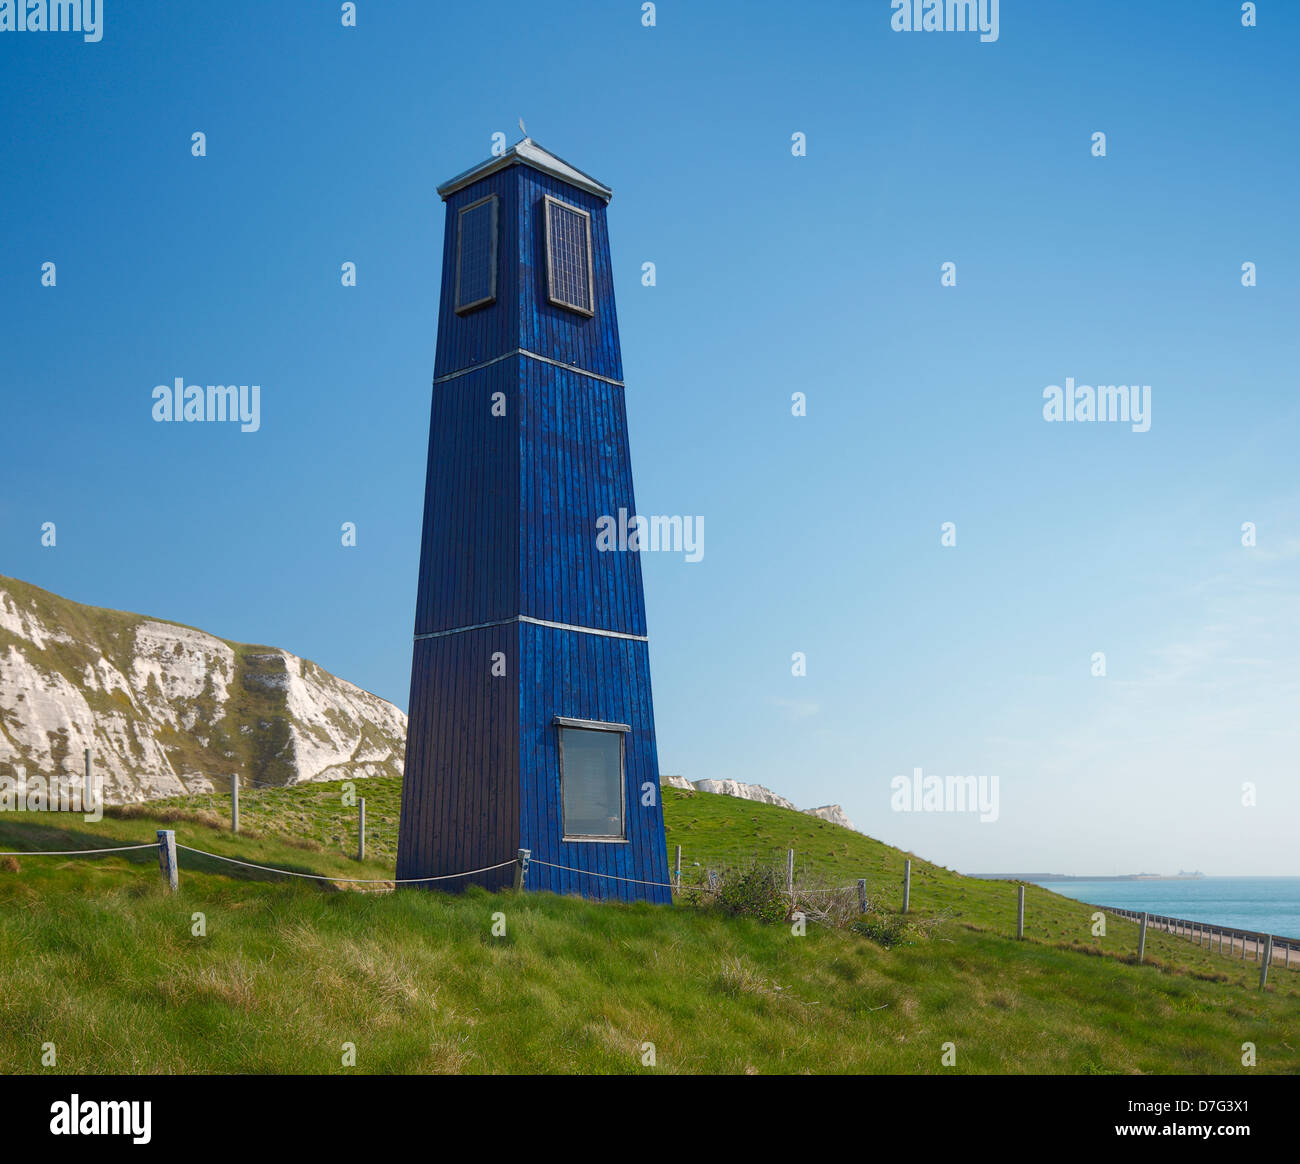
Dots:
{"x": 10, "y": 865}
{"x": 756, "y": 892}
{"x": 883, "y": 929}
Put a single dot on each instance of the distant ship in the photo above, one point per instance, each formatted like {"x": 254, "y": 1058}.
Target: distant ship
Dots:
{"x": 1184, "y": 875}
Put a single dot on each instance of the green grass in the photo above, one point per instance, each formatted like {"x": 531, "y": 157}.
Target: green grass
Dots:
{"x": 98, "y": 959}
{"x": 308, "y": 812}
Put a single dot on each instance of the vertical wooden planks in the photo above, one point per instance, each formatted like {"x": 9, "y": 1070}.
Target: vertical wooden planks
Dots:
{"x": 510, "y": 518}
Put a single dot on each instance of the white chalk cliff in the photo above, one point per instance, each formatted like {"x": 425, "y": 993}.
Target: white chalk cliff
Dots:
{"x": 166, "y": 709}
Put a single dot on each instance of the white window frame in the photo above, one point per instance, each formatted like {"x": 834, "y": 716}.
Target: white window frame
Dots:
{"x": 592, "y": 725}
{"x": 550, "y": 264}
{"x": 491, "y": 297}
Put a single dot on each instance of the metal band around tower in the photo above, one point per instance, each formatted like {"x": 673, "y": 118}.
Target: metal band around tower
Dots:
{"x": 586, "y": 630}
{"x": 532, "y": 356}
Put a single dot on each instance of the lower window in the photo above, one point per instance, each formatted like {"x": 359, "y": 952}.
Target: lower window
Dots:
{"x": 591, "y": 782}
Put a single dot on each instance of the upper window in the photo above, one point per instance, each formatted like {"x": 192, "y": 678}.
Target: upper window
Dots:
{"x": 591, "y": 780}
{"x": 568, "y": 256}
{"x": 476, "y": 254}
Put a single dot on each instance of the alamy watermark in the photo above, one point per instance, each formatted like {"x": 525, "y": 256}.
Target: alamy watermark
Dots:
{"x": 220, "y": 402}
{"x": 75, "y": 1116}
{"x": 634, "y": 533}
{"x": 1125, "y": 403}
{"x": 83, "y": 16}
{"x": 36, "y": 793}
{"x": 946, "y": 16}
{"x": 921, "y": 793}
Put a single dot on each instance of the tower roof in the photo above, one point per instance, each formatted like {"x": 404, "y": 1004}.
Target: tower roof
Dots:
{"x": 527, "y": 153}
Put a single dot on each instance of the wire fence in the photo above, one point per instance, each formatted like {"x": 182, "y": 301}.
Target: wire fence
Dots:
{"x": 312, "y": 823}
{"x": 166, "y": 839}
{"x": 1268, "y": 949}
{"x": 1216, "y": 937}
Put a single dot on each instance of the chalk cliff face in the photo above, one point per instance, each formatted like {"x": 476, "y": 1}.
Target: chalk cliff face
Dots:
{"x": 743, "y": 791}
{"x": 166, "y": 709}
{"x": 833, "y": 813}
{"x": 829, "y": 812}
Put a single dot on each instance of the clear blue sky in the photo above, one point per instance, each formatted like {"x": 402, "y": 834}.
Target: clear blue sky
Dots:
{"x": 775, "y": 274}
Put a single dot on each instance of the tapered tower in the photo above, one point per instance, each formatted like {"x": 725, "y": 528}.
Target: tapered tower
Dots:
{"x": 531, "y": 724}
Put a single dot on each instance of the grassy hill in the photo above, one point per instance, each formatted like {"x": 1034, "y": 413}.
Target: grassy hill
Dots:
{"x": 98, "y": 959}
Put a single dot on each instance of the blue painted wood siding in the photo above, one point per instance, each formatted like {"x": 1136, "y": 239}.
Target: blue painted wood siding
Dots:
{"x": 574, "y": 467}
{"x": 523, "y": 316}
{"x": 469, "y": 563}
{"x": 489, "y": 331}
{"x": 460, "y": 792}
{"x": 511, "y": 506}
{"x": 544, "y": 328}
{"x": 588, "y": 677}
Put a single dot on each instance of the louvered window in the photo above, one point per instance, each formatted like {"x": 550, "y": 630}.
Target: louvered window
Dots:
{"x": 568, "y": 256}
{"x": 476, "y": 254}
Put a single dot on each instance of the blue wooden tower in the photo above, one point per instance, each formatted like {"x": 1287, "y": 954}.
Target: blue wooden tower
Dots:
{"x": 531, "y": 723}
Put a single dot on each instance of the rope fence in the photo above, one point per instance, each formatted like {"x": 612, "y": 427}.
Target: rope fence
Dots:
{"x": 612, "y": 877}
{"x": 76, "y": 852}
{"x": 348, "y": 880}
{"x": 1266, "y": 947}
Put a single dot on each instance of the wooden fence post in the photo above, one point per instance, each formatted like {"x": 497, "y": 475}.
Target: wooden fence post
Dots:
{"x": 361, "y": 828}
{"x": 1142, "y": 939}
{"x": 789, "y": 872}
{"x": 862, "y": 895}
{"x": 521, "y": 868}
{"x": 167, "y": 857}
{"x": 1268, "y": 957}
{"x": 88, "y": 798}
{"x": 1020, "y": 914}
{"x": 677, "y": 871}
{"x": 234, "y": 802}
{"x": 907, "y": 884}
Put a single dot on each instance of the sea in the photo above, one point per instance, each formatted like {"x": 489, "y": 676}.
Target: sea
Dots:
{"x": 1270, "y": 905}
